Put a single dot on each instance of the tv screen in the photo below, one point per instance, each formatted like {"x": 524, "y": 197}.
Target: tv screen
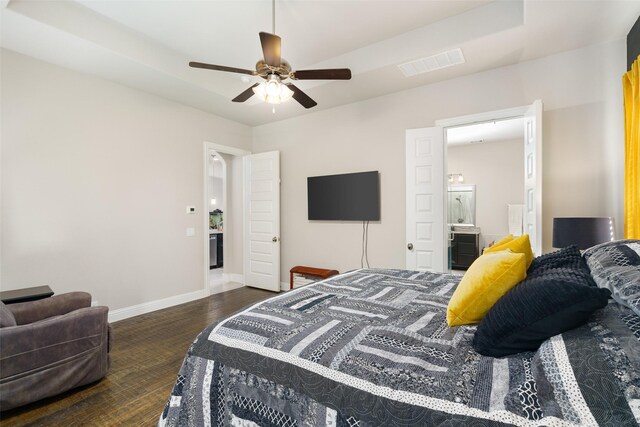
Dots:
{"x": 347, "y": 197}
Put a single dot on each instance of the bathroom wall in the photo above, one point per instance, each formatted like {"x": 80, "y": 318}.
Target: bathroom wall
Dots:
{"x": 497, "y": 170}
{"x": 216, "y": 183}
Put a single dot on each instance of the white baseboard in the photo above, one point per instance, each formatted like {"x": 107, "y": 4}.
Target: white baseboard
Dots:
{"x": 284, "y": 286}
{"x": 147, "y": 307}
{"x": 233, "y": 277}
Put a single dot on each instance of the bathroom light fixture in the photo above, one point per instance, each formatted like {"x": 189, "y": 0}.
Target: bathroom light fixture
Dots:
{"x": 273, "y": 91}
{"x": 455, "y": 177}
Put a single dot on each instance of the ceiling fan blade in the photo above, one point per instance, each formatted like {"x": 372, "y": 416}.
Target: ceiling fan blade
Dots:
{"x": 245, "y": 95}
{"x": 302, "y": 97}
{"x": 326, "y": 74}
{"x": 221, "y": 68}
{"x": 271, "y": 45}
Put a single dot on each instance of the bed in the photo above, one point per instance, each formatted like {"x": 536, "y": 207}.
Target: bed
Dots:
{"x": 372, "y": 347}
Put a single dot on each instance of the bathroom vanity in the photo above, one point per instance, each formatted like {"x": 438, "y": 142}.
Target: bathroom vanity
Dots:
{"x": 465, "y": 236}
{"x": 465, "y": 248}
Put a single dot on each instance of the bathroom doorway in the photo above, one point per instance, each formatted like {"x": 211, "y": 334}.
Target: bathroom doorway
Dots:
{"x": 485, "y": 186}
{"x": 223, "y": 217}
{"x": 217, "y": 176}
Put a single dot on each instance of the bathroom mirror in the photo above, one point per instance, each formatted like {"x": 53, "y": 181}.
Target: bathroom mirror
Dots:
{"x": 462, "y": 205}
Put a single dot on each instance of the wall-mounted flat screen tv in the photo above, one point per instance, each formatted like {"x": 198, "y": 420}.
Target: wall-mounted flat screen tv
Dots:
{"x": 346, "y": 197}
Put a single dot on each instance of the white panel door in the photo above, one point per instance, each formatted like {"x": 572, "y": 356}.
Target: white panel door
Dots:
{"x": 426, "y": 249}
{"x": 262, "y": 220}
{"x": 533, "y": 175}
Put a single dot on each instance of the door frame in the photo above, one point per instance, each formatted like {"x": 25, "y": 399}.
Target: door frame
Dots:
{"x": 487, "y": 116}
{"x": 223, "y": 149}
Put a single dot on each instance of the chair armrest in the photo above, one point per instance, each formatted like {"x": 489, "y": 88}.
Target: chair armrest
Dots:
{"x": 57, "y": 305}
{"x": 40, "y": 344}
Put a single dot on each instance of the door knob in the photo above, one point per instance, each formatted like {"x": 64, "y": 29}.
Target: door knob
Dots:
{"x": 274, "y": 240}
{"x": 410, "y": 246}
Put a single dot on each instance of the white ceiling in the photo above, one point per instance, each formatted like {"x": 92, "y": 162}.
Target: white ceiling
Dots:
{"x": 147, "y": 44}
{"x": 494, "y": 131}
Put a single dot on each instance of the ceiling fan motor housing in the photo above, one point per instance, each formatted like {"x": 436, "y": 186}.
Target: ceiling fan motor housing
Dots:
{"x": 263, "y": 69}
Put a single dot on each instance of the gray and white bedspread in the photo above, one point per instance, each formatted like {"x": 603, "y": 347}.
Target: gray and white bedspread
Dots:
{"x": 372, "y": 347}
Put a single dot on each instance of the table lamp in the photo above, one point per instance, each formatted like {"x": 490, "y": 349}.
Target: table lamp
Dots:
{"x": 582, "y": 232}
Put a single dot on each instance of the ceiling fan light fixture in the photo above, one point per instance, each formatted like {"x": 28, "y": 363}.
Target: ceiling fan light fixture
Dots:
{"x": 273, "y": 91}
{"x": 274, "y": 69}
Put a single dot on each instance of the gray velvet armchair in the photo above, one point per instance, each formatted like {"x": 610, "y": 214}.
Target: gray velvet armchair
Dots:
{"x": 50, "y": 346}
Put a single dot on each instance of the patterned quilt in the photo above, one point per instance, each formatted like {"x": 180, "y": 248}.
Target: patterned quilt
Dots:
{"x": 372, "y": 347}
{"x": 616, "y": 266}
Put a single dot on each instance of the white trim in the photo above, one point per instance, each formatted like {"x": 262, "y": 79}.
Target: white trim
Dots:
{"x": 233, "y": 277}
{"x": 148, "y": 307}
{"x": 507, "y": 113}
{"x": 284, "y": 286}
{"x": 225, "y": 149}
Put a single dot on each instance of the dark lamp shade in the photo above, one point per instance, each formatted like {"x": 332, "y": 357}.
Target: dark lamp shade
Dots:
{"x": 582, "y": 232}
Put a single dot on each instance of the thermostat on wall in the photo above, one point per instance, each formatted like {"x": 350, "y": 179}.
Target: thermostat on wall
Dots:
{"x": 191, "y": 209}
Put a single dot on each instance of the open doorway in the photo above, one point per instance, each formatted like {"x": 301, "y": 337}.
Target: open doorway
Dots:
{"x": 223, "y": 217}
{"x": 485, "y": 186}
{"x": 428, "y": 231}
{"x": 520, "y": 172}
{"x": 217, "y": 189}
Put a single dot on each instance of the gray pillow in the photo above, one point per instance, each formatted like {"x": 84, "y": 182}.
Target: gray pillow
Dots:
{"x": 616, "y": 266}
{"x": 6, "y": 316}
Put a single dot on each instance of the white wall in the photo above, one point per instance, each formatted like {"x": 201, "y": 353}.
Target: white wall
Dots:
{"x": 497, "y": 170}
{"x": 96, "y": 176}
{"x": 583, "y": 149}
{"x": 95, "y": 181}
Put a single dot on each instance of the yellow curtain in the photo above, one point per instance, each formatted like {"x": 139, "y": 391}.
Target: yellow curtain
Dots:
{"x": 631, "y": 88}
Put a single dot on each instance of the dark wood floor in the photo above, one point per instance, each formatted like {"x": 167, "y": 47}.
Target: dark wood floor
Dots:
{"x": 146, "y": 355}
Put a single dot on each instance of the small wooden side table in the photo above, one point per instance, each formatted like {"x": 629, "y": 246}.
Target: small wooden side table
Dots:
{"x": 26, "y": 294}
{"x": 320, "y": 273}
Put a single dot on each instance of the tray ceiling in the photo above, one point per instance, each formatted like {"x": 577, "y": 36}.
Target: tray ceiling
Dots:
{"x": 147, "y": 44}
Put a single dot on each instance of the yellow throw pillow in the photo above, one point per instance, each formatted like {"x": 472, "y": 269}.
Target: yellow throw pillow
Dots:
{"x": 519, "y": 244}
{"x": 488, "y": 278}
{"x": 504, "y": 240}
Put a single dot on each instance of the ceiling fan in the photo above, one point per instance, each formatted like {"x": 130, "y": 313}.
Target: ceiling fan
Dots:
{"x": 274, "y": 70}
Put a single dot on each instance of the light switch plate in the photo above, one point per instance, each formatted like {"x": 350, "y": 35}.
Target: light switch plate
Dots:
{"x": 191, "y": 210}
{"x": 191, "y": 232}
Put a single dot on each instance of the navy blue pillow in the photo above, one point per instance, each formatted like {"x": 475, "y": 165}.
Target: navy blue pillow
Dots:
{"x": 569, "y": 257}
{"x": 539, "y": 307}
